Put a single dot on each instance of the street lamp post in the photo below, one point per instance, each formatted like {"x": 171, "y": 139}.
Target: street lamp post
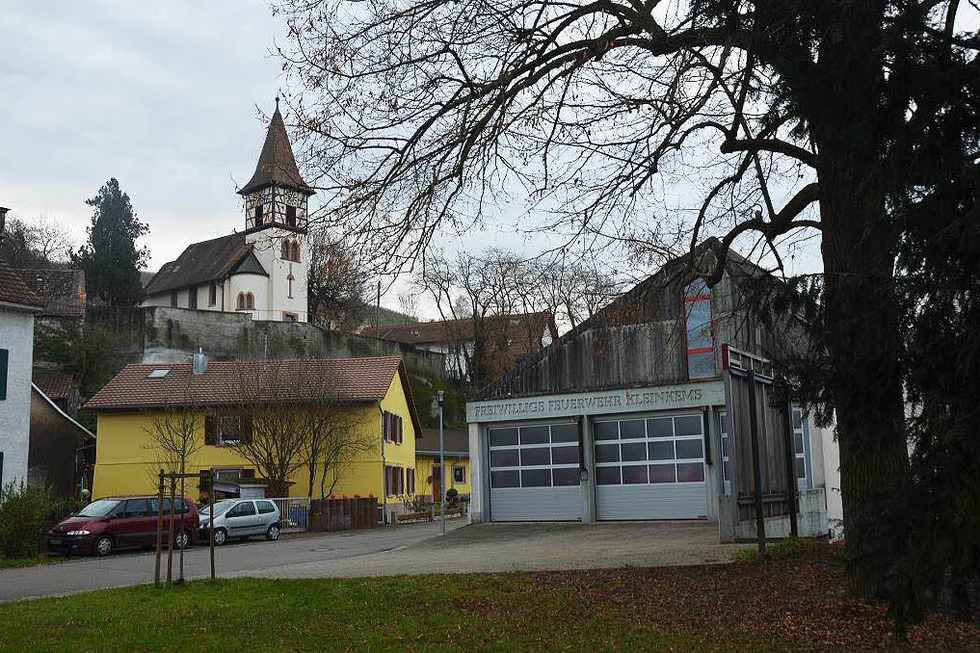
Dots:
{"x": 442, "y": 468}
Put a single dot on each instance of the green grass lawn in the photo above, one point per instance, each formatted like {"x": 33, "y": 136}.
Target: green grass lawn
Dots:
{"x": 781, "y": 602}
{"x": 502, "y": 612}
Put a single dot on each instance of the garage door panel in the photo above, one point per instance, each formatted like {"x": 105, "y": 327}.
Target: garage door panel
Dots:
{"x": 663, "y": 501}
{"x": 537, "y": 504}
{"x": 535, "y": 473}
{"x": 650, "y": 468}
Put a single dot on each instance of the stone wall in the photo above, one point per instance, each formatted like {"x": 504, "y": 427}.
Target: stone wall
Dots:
{"x": 163, "y": 334}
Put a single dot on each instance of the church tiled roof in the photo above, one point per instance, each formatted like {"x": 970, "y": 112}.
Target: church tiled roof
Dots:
{"x": 202, "y": 262}
{"x": 276, "y": 165}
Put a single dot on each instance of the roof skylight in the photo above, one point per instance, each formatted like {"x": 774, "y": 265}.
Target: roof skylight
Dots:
{"x": 158, "y": 373}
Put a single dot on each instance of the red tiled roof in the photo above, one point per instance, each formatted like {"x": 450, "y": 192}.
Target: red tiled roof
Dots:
{"x": 61, "y": 291}
{"x": 56, "y": 385}
{"x": 337, "y": 380}
{"x": 13, "y": 290}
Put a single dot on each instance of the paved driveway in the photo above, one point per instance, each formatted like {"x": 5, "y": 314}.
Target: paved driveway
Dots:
{"x": 134, "y": 568}
{"x": 409, "y": 549}
{"x": 526, "y": 547}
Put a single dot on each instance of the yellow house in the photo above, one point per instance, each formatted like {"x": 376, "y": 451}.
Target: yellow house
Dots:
{"x": 457, "y": 456}
{"x": 230, "y": 412}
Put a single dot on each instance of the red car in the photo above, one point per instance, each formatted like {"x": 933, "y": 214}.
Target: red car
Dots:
{"x": 121, "y": 522}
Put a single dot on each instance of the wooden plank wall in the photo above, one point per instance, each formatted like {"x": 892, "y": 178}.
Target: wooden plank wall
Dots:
{"x": 772, "y": 448}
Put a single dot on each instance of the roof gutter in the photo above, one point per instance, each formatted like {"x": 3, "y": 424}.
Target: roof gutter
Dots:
{"x": 25, "y": 308}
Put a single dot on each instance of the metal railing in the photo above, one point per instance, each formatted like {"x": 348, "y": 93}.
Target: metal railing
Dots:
{"x": 294, "y": 514}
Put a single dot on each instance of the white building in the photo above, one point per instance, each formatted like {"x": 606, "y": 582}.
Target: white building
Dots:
{"x": 17, "y": 308}
{"x": 262, "y": 270}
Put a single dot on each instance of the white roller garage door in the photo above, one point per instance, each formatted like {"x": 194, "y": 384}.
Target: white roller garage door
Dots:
{"x": 535, "y": 473}
{"x": 650, "y": 468}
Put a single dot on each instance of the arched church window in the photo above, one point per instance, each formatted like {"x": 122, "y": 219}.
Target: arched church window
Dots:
{"x": 286, "y": 250}
{"x": 295, "y": 251}
{"x": 249, "y": 301}
{"x": 240, "y": 304}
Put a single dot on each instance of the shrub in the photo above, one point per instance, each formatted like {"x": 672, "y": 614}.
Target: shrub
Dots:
{"x": 24, "y": 513}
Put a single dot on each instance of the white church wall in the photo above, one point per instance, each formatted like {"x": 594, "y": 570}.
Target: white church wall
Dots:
{"x": 249, "y": 283}
{"x": 279, "y": 299}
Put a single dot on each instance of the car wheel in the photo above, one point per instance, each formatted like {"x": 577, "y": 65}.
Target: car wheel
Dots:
{"x": 103, "y": 546}
{"x": 273, "y": 533}
{"x": 181, "y": 540}
{"x": 220, "y": 536}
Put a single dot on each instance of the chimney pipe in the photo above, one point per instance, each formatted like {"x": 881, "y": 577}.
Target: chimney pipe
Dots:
{"x": 200, "y": 364}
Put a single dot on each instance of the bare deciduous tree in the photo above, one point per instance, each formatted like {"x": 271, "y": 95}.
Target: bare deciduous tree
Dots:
{"x": 292, "y": 419}
{"x": 40, "y": 243}
{"x": 334, "y": 437}
{"x": 796, "y": 116}
{"x": 337, "y": 282}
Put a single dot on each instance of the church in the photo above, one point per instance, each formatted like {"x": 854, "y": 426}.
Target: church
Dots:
{"x": 261, "y": 270}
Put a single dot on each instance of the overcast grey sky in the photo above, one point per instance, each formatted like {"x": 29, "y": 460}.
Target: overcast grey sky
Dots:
{"x": 160, "y": 95}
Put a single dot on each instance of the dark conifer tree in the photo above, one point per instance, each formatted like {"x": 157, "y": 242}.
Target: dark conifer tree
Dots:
{"x": 111, "y": 259}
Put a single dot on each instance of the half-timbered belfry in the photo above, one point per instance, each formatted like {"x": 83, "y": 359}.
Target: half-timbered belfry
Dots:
{"x": 261, "y": 270}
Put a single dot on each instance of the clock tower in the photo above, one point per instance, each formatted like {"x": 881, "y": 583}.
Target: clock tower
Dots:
{"x": 276, "y": 212}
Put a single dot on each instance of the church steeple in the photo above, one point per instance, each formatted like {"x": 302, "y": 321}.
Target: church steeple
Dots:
{"x": 276, "y": 195}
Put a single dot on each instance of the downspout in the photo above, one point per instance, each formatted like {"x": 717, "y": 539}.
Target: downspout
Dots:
{"x": 384, "y": 470}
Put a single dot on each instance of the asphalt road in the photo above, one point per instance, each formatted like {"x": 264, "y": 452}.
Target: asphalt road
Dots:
{"x": 234, "y": 559}
{"x": 407, "y": 549}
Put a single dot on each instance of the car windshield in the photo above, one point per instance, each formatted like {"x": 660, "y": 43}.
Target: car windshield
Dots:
{"x": 99, "y": 508}
{"x": 220, "y": 508}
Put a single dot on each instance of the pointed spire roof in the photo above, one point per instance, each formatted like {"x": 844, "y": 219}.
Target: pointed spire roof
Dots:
{"x": 276, "y": 165}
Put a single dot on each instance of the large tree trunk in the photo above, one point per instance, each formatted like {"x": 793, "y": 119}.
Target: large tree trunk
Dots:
{"x": 851, "y": 131}
{"x": 865, "y": 384}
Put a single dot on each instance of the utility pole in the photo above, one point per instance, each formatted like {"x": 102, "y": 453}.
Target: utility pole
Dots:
{"x": 442, "y": 467}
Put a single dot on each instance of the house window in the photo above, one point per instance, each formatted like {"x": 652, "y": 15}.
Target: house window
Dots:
{"x": 392, "y": 428}
{"x": 240, "y": 303}
{"x": 249, "y": 301}
{"x": 459, "y": 474}
{"x": 699, "y": 340}
{"x": 394, "y": 480}
{"x": 289, "y": 317}
{"x": 192, "y": 298}
{"x": 290, "y": 216}
{"x": 229, "y": 429}
{"x": 258, "y": 214}
{"x": 411, "y": 481}
{"x": 212, "y": 294}
{"x": 173, "y": 299}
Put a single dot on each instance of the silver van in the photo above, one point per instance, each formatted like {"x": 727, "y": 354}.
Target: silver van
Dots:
{"x": 240, "y": 518}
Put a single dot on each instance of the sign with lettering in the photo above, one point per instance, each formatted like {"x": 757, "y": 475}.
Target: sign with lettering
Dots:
{"x": 666, "y": 397}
